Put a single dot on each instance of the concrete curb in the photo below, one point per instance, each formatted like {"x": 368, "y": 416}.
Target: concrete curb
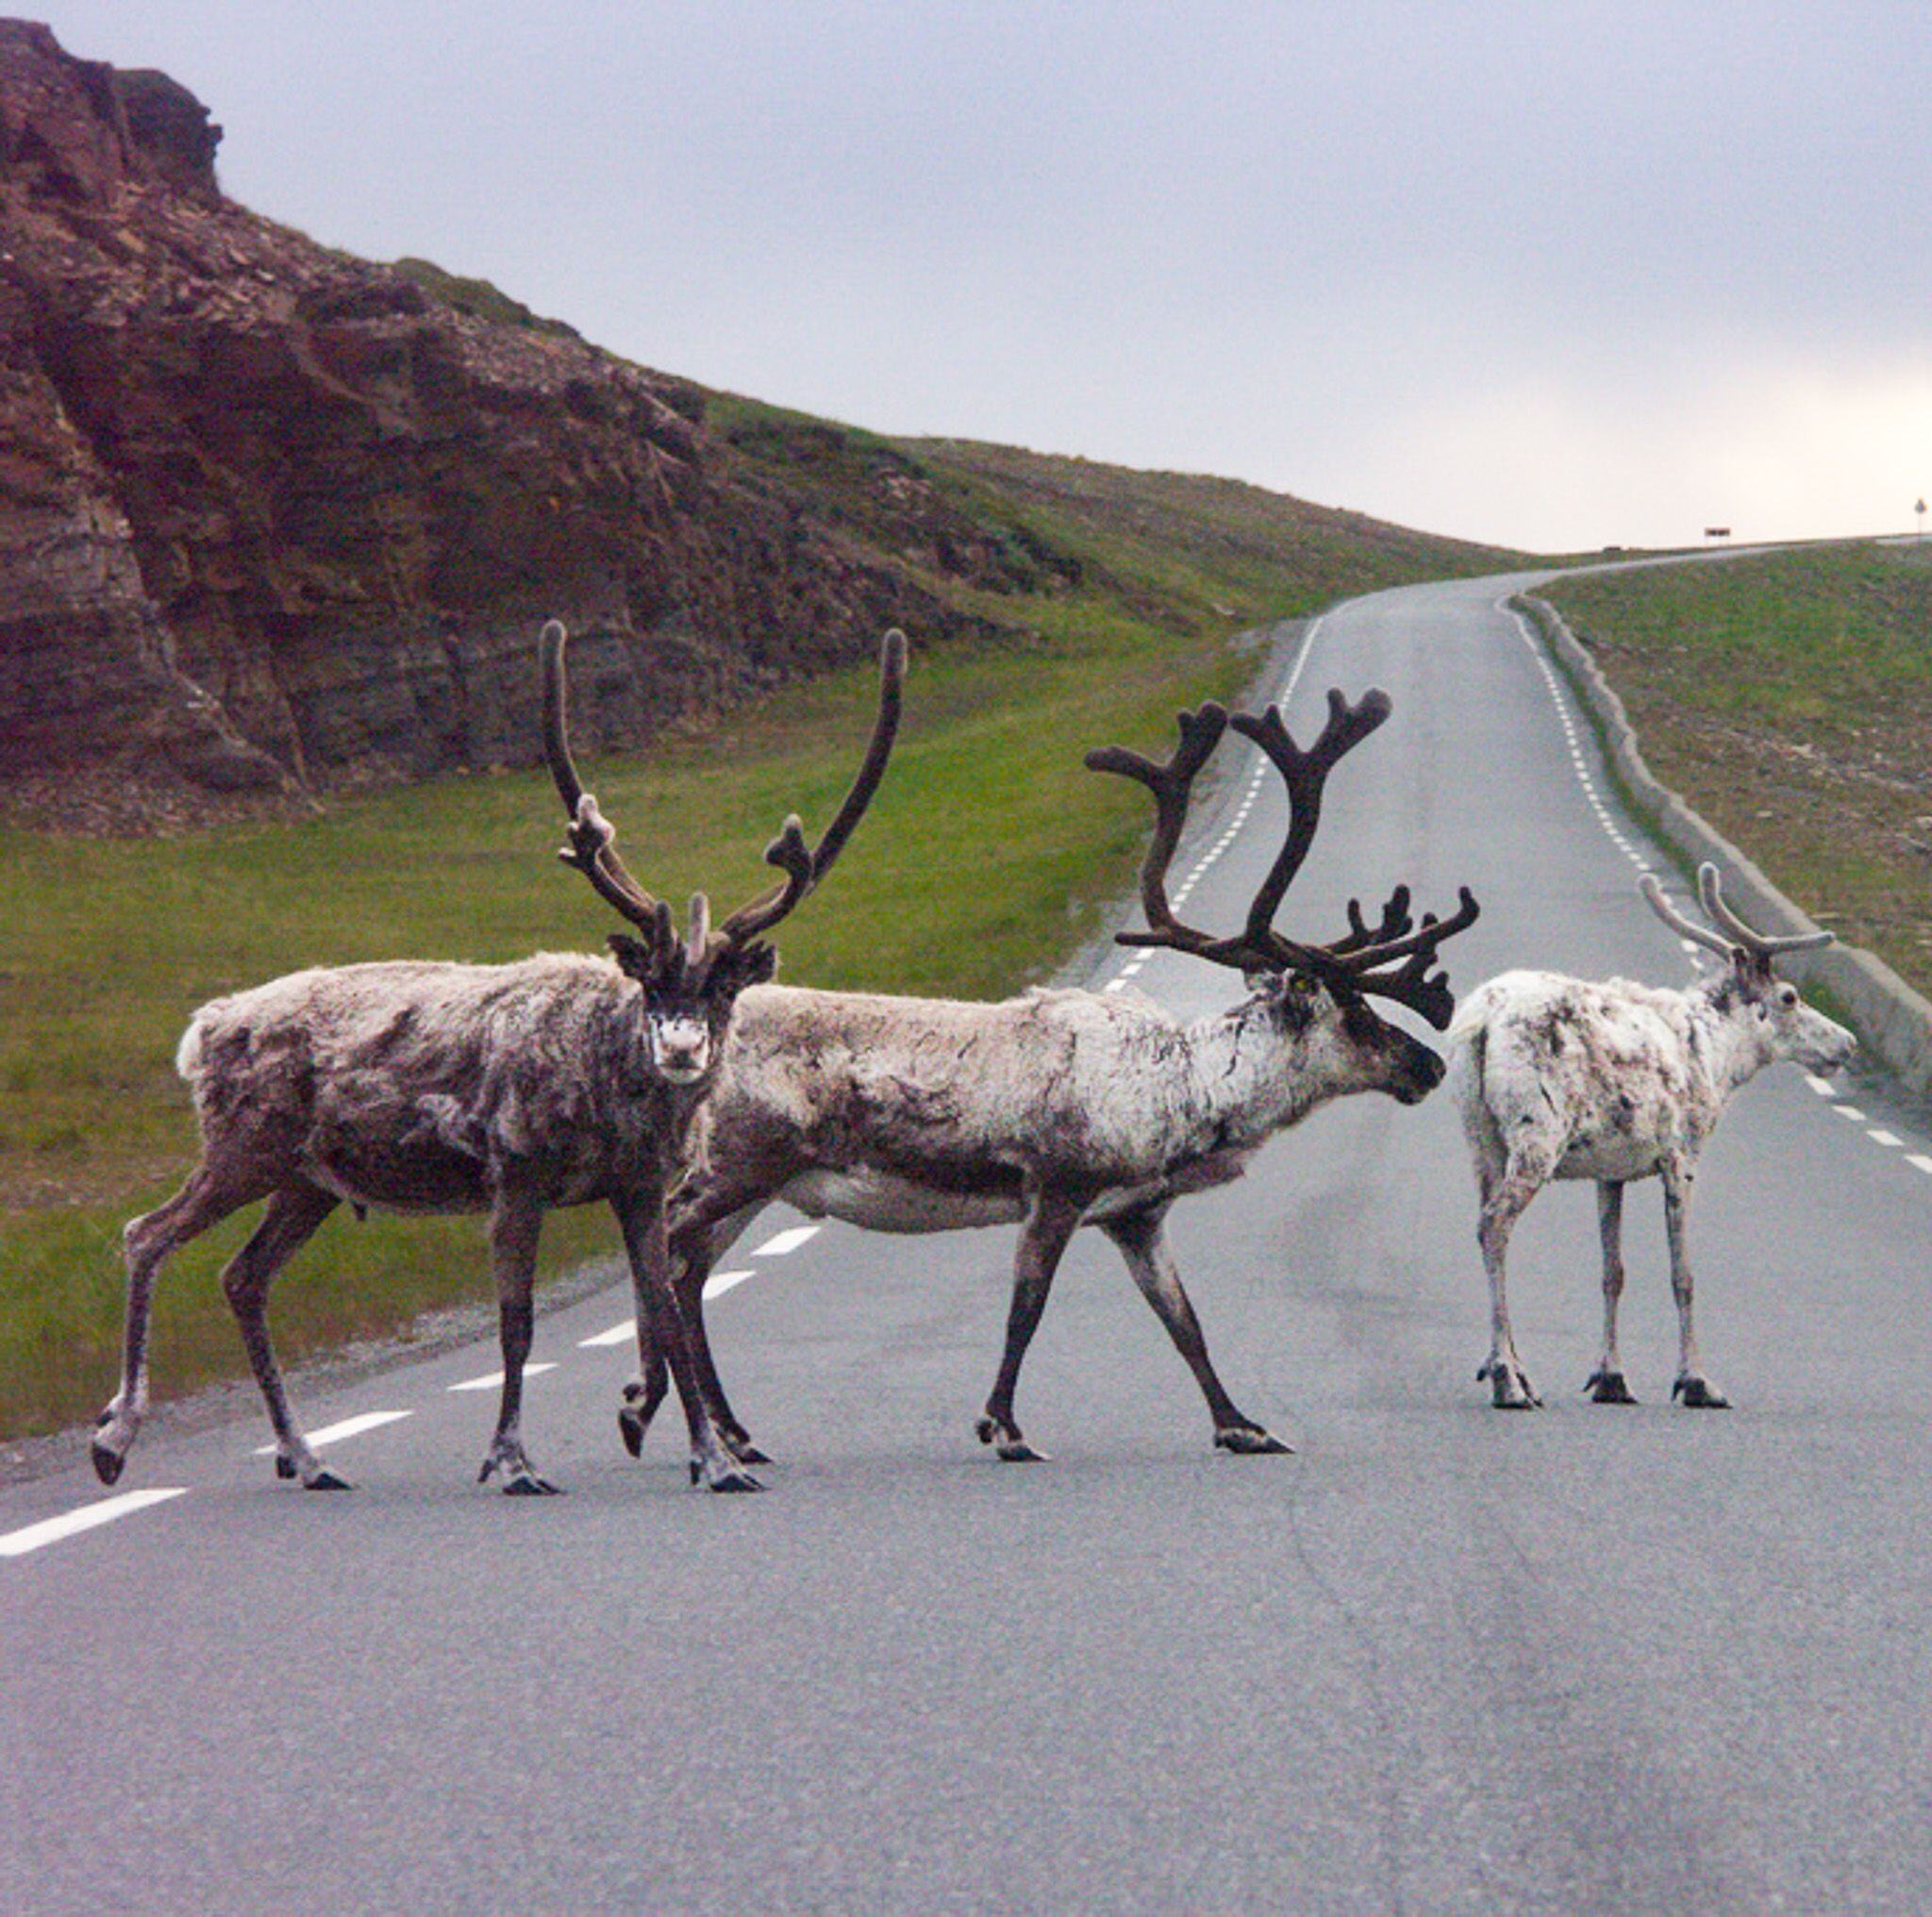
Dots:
{"x": 1890, "y": 1019}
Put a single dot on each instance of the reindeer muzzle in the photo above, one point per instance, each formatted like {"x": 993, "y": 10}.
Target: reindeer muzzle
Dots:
{"x": 1421, "y": 1072}
{"x": 680, "y": 1049}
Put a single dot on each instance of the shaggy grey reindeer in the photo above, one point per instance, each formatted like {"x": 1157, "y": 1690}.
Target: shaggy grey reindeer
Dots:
{"x": 561, "y": 1079}
{"x": 1563, "y": 1078}
{"x": 1062, "y": 1108}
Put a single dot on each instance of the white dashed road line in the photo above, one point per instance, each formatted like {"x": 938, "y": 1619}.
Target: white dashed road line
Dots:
{"x": 786, "y": 1242}
{"x": 492, "y": 1381}
{"x": 349, "y": 1427}
{"x": 70, "y": 1524}
{"x": 1610, "y": 823}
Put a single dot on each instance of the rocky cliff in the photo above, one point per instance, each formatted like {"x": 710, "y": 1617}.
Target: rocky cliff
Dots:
{"x": 273, "y": 520}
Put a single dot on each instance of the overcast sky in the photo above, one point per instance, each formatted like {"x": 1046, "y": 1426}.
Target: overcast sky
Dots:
{"x": 1553, "y": 276}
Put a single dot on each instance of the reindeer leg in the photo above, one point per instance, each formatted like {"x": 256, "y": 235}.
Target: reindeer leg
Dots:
{"x": 1050, "y": 1224}
{"x": 1697, "y": 1391}
{"x": 704, "y": 1228}
{"x": 1142, "y": 1236}
{"x": 516, "y": 1222}
{"x": 1504, "y": 1201}
{"x": 1606, "y": 1384}
{"x": 148, "y": 1241}
{"x": 646, "y": 1239}
{"x": 294, "y": 1215}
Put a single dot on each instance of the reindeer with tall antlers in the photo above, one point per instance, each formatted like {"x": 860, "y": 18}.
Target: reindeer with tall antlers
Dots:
{"x": 1560, "y": 1077}
{"x": 561, "y": 1079}
{"x": 1062, "y": 1108}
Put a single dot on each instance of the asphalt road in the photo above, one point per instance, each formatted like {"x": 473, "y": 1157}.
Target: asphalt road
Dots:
{"x": 1595, "y": 1659}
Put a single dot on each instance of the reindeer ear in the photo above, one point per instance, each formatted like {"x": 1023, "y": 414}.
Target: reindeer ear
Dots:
{"x": 744, "y": 965}
{"x": 635, "y": 960}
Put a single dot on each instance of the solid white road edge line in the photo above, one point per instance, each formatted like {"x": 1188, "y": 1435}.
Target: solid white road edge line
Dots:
{"x": 51, "y": 1530}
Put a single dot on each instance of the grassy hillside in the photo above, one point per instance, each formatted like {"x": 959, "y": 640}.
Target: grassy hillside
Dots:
{"x": 1789, "y": 699}
{"x": 1113, "y": 601}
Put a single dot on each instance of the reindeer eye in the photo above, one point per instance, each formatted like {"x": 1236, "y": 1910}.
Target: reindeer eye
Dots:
{"x": 1301, "y": 983}
{"x": 1789, "y": 996}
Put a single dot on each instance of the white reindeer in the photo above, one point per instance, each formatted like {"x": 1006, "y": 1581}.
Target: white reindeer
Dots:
{"x": 508, "y": 1089}
{"x": 1061, "y": 1108}
{"x": 1563, "y": 1078}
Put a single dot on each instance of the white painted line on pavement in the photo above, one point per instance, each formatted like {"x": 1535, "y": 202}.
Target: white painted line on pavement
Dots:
{"x": 786, "y": 1242}
{"x": 721, "y": 1282}
{"x": 349, "y": 1427}
{"x": 1822, "y": 1086}
{"x": 492, "y": 1381}
{"x": 1850, "y": 1111}
{"x": 70, "y": 1524}
{"x": 1924, "y": 1164}
{"x": 616, "y": 1335}
{"x": 1884, "y": 1138}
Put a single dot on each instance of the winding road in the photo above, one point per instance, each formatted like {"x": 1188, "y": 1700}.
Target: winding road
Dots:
{"x": 1595, "y": 1659}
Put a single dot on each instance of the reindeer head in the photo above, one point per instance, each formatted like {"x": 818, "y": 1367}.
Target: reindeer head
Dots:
{"x": 1322, "y": 992}
{"x": 1766, "y": 1008}
{"x": 690, "y": 984}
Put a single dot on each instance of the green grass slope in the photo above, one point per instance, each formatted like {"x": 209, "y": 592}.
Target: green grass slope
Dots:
{"x": 1789, "y": 699}
{"x": 1109, "y": 599}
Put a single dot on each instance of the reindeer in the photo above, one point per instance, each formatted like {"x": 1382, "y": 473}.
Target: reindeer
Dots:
{"x": 1062, "y": 1108}
{"x": 1562, "y": 1078}
{"x": 508, "y": 1089}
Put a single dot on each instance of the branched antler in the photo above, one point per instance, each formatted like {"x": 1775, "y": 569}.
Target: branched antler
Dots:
{"x": 804, "y": 868}
{"x": 1355, "y": 962}
{"x": 592, "y": 837}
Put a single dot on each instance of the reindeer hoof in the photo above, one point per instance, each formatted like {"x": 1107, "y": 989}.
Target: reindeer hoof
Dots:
{"x": 323, "y": 1479}
{"x": 1609, "y": 1388}
{"x": 108, "y": 1464}
{"x": 1700, "y": 1394}
{"x": 1509, "y": 1387}
{"x": 1016, "y": 1450}
{"x": 733, "y": 1481}
{"x": 1250, "y": 1440}
{"x": 745, "y": 1451}
{"x": 630, "y": 1428}
{"x": 527, "y": 1484}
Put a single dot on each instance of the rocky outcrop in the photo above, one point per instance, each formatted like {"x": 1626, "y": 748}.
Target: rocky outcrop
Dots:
{"x": 277, "y": 520}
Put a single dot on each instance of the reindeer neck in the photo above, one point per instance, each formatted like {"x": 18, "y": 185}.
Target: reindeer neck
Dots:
{"x": 1250, "y": 1075}
{"x": 1727, "y": 1043}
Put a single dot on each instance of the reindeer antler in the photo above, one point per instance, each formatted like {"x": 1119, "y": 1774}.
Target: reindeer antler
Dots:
{"x": 592, "y": 851}
{"x": 804, "y": 868}
{"x": 1733, "y": 935}
{"x": 1354, "y": 962}
{"x": 592, "y": 837}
